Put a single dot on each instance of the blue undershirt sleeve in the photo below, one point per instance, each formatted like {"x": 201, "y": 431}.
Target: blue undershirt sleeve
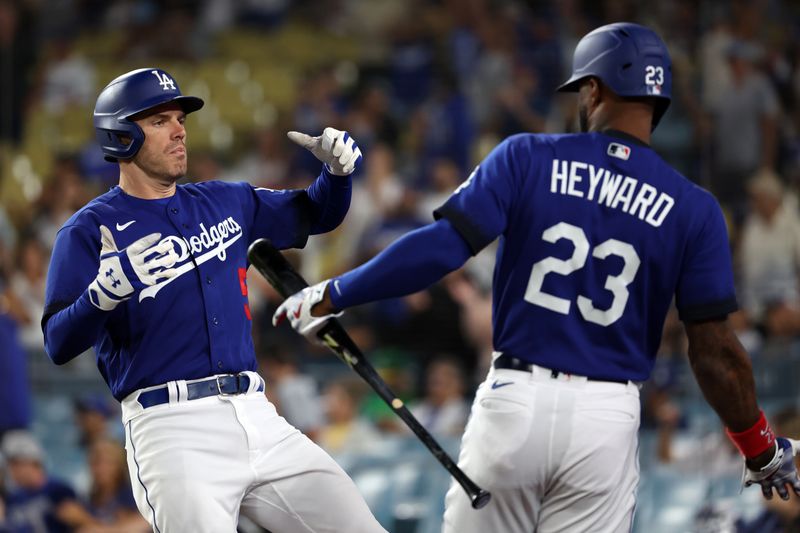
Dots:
{"x": 330, "y": 201}
{"x": 410, "y": 264}
{"x": 73, "y": 330}
{"x": 71, "y": 324}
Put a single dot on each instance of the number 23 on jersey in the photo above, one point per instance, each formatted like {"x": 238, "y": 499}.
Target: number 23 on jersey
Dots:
{"x": 617, "y": 285}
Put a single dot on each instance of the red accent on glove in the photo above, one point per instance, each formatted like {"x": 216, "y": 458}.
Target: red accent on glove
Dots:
{"x": 754, "y": 441}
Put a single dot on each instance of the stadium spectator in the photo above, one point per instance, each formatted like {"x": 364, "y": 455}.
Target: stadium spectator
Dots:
{"x": 745, "y": 131}
{"x": 770, "y": 257}
{"x": 28, "y": 284}
{"x": 15, "y": 387}
{"x": 111, "y": 502}
{"x": 293, "y": 393}
{"x": 35, "y": 501}
{"x": 266, "y": 164}
{"x": 64, "y": 193}
{"x": 93, "y": 412}
{"x": 443, "y": 410}
{"x": 346, "y": 431}
{"x": 69, "y": 77}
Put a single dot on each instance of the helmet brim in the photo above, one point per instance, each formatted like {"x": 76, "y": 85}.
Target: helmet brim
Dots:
{"x": 189, "y": 104}
{"x": 572, "y": 85}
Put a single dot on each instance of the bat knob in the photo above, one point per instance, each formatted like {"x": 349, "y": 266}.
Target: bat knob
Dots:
{"x": 480, "y": 499}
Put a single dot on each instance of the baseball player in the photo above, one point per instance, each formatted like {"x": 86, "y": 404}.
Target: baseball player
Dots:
{"x": 152, "y": 274}
{"x": 597, "y": 235}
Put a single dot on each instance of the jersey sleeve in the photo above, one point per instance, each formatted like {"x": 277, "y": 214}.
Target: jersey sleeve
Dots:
{"x": 288, "y": 217}
{"x": 705, "y": 286}
{"x": 73, "y": 266}
{"x": 479, "y": 208}
{"x": 282, "y": 216}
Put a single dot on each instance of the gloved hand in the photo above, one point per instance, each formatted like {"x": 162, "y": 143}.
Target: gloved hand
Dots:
{"x": 335, "y": 148}
{"x": 297, "y": 308}
{"x": 779, "y": 473}
{"x": 123, "y": 273}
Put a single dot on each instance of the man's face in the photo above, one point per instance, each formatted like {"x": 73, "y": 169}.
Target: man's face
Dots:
{"x": 163, "y": 154}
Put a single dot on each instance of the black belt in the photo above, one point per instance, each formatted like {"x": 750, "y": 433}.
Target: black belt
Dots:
{"x": 225, "y": 385}
{"x": 512, "y": 363}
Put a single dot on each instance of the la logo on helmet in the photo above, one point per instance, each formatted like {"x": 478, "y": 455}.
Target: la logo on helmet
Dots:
{"x": 165, "y": 81}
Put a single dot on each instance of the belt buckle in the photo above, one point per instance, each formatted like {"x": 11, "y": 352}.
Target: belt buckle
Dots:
{"x": 219, "y": 385}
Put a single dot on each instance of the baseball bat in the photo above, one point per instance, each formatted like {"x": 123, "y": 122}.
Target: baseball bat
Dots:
{"x": 269, "y": 261}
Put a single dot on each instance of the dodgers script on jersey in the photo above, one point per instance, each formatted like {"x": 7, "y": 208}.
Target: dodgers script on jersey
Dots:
{"x": 598, "y": 235}
{"x": 165, "y": 326}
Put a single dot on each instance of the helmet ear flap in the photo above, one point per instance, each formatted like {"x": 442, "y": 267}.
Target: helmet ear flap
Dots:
{"x": 121, "y": 140}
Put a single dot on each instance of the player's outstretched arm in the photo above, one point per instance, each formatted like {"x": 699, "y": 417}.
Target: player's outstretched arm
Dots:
{"x": 331, "y": 191}
{"x": 725, "y": 376}
{"x": 410, "y": 264}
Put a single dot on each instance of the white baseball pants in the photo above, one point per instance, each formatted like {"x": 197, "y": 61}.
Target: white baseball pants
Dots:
{"x": 557, "y": 454}
{"x": 195, "y": 464}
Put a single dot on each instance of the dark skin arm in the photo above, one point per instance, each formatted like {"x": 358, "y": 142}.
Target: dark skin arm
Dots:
{"x": 723, "y": 371}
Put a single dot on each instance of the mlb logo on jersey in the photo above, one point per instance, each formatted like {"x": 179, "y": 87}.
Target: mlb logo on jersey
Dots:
{"x": 619, "y": 151}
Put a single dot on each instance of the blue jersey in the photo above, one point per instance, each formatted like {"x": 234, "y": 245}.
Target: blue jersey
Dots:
{"x": 597, "y": 236}
{"x": 190, "y": 326}
{"x": 34, "y": 510}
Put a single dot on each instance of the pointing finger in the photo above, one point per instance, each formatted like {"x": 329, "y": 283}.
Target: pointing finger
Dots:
{"x": 306, "y": 141}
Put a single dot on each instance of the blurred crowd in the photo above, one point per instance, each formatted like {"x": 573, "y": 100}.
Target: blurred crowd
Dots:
{"x": 430, "y": 87}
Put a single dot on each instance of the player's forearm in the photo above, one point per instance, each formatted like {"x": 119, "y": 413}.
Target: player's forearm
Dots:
{"x": 723, "y": 371}
{"x": 73, "y": 330}
{"x": 330, "y": 200}
{"x": 410, "y": 264}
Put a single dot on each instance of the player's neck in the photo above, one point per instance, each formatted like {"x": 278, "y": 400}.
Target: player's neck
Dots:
{"x": 625, "y": 126}
{"x": 141, "y": 185}
{"x": 634, "y": 119}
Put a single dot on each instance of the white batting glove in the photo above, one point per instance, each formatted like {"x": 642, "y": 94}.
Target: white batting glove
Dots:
{"x": 123, "y": 273}
{"x": 780, "y": 473}
{"x": 297, "y": 308}
{"x": 335, "y": 148}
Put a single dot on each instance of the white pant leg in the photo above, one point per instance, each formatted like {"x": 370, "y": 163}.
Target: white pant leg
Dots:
{"x": 194, "y": 464}
{"x": 595, "y": 487}
{"x": 188, "y": 464}
{"x": 532, "y": 441}
{"x": 298, "y": 488}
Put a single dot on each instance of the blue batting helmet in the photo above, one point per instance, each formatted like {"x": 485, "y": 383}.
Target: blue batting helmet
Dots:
{"x": 127, "y": 95}
{"x": 630, "y": 59}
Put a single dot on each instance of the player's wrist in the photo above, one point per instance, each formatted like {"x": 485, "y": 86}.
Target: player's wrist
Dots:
{"x": 325, "y": 306}
{"x": 764, "y": 460}
{"x": 756, "y": 442}
{"x": 102, "y": 299}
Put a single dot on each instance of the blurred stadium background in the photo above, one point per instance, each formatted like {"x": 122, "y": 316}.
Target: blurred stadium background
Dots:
{"x": 427, "y": 88}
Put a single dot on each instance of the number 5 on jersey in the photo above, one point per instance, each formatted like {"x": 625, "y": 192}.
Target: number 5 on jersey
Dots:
{"x": 618, "y": 285}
